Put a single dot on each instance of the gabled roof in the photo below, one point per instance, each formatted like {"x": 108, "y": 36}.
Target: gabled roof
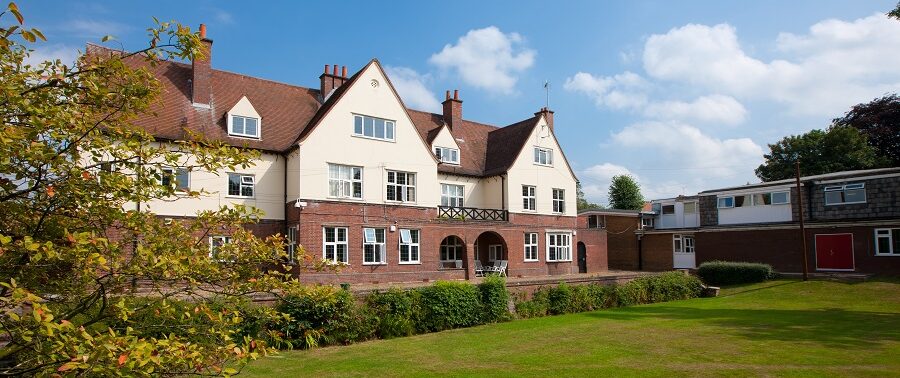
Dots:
{"x": 291, "y": 112}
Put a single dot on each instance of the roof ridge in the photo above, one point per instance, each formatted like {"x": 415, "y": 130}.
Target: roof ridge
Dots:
{"x": 464, "y": 120}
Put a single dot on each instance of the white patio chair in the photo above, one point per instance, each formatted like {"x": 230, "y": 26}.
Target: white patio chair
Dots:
{"x": 501, "y": 270}
{"x": 479, "y": 269}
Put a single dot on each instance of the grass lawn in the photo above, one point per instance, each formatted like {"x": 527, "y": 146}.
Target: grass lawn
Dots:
{"x": 778, "y": 328}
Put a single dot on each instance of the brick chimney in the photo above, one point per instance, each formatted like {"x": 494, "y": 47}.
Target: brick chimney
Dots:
{"x": 548, "y": 115}
{"x": 453, "y": 109}
{"x": 201, "y": 75}
{"x": 331, "y": 79}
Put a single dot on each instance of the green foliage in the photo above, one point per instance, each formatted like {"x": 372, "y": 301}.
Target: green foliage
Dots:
{"x": 87, "y": 280}
{"x": 731, "y": 273}
{"x": 840, "y": 148}
{"x": 625, "y": 193}
{"x": 319, "y": 315}
{"x": 895, "y": 13}
{"x": 395, "y": 310}
{"x": 448, "y": 305}
{"x": 494, "y": 299}
{"x": 879, "y": 122}
{"x": 564, "y": 299}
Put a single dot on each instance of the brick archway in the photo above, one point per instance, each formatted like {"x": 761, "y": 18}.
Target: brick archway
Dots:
{"x": 452, "y": 253}
{"x": 484, "y": 243}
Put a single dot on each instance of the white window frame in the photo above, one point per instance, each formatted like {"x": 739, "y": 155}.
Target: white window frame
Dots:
{"x": 335, "y": 244}
{"x": 543, "y": 156}
{"x": 559, "y": 201}
{"x": 343, "y": 183}
{"x": 410, "y": 245}
{"x": 404, "y": 189}
{"x": 529, "y": 198}
{"x": 886, "y": 233}
{"x": 172, "y": 173}
{"x": 291, "y": 240}
{"x": 244, "y": 134}
{"x": 695, "y": 204}
{"x": 531, "y": 246}
{"x": 458, "y": 249}
{"x": 662, "y": 209}
{"x": 379, "y": 253}
{"x": 677, "y": 243}
{"x": 787, "y": 198}
{"x": 244, "y": 181}
{"x": 843, "y": 189}
{"x": 646, "y": 222}
{"x": 447, "y": 154}
{"x": 561, "y": 244}
{"x": 212, "y": 245}
{"x": 495, "y": 252}
{"x": 387, "y": 124}
{"x": 452, "y": 199}
{"x": 726, "y": 199}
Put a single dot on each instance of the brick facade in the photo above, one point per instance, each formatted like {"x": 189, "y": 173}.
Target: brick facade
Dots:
{"x": 356, "y": 216}
{"x": 656, "y": 251}
{"x": 622, "y": 243}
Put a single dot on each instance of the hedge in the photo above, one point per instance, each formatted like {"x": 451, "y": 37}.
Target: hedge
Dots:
{"x": 447, "y": 305}
{"x": 731, "y": 273}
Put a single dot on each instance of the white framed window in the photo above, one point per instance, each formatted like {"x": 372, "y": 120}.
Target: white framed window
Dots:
{"x": 241, "y": 185}
{"x": 887, "y": 241}
{"x": 726, "y": 202}
{"x": 668, "y": 209}
{"x": 559, "y": 201}
{"x": 447, "y": 154}
{"x": 682, "y": 243}
{"x": 244, "y": 126}
{"x": 781, "y": 198}
{"x": 371, "y": 127}
{"x": 291, "y": 240}
{"x": 531, "y": 246}
{"x": 646, "y": 222}
{"x": 845, "y": 194}
{"x": 334, "y": 245}
{"x": 677, "y": 244}
{"x": 688, "y": 244}
{"x": 177, "y": 178}
{"x": 401, "y": 186}
{"x": 559, "y": 246}
{"x": 373, "y": 246}
{"x": 215, "y": 244}
{"x": 529, "y": 198}
{"x": 495, "y": 252}
{"x": 409, "y": 246}
{"x": 594, "y": 221}
{"x": 452, "y": 195}
{"x": 690, "y": 207}
{"x": 345, "y": 181}
{"x": 543, "y": 156}
{"x": 451, "y": 249}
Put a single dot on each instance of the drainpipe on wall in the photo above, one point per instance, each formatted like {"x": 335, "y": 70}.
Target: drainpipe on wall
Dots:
{"x": 640, "y": 252}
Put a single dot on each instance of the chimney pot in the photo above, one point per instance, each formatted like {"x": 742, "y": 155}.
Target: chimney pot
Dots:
{"x": 456, "y": 94}
{"x": 327, "y": 66}
{"x": 202, "y": 31}
{"x": 448, "y": 95}
{"x": 335, "y": 71}
{"x": 344, "y": 71}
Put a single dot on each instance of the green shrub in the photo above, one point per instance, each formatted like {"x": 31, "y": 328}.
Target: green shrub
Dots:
{"x": 602, "y": 296}
{"x": 731, "y": 273}
{"x": 631, "y": 293}
{"x": 394, "y": 310}
{"x": 447, "y": 305}
{"x": 581, "y": 299}
{"x": 494, "y": 299}
{"x": 319, "y": 315}
{"x": 560, "y": 298}
{"x": 536, "y": 307}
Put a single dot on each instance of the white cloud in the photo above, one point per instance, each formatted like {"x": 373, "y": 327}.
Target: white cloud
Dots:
{"x": 623, "y": 91}
{"x": 94, "y": 28}
{"x": 43, "y": 53}
{"x": 684, "y": 147}
{"x": 222, "y": 16}
{"x": 719, "y": 109}
{"x": 596, "y": 180}
{"x": 487, "y": 58}
{"x": 411, "y": 87}
{"x": 824, "y": 72}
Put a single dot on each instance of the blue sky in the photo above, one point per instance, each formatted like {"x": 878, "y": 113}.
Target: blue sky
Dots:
{"x": 684, "y": 96}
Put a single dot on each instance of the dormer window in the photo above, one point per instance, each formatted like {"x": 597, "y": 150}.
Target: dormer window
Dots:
{"x": 543, "y": 156}
{"x": 241, "y": 126}
{"x": 447, "y": 155}
{"x": 374, "y": 128}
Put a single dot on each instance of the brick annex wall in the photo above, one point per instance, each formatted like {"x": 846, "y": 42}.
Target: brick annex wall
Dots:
{"x": 781, "y": 248}
{"x": 623, "y": 243}
{"x": 657, "y": 252}
{"x": 356, "y": 216}
{"x": 595, "y": 241}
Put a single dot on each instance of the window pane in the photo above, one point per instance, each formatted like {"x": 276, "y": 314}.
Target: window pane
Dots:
{"x": 855, "y": 195}
{"x": 250, "y": 126}
{"x": 368, "y": 128}
{"x": 405, "y": 236}
{"x": 234, "y": 184}
{"x": 357, "y": 125}
{"x": 833, "y": 197}
{"x": 342, "y": 234}
{"x": 329, "y": 234}
{"x": 237, "y": 125}
{"x": 379, "y": 128}
{"x": 182, "y": 179}
{"x": 896, "y": 240}
{"x": 247, "y": 190}
{"x": 690, "y": 207}
{"x": 389, "y": 130}
{"x": 370, "y": 235}
{"x": 883, "y": 244}
{"x": 668, "y": 209}
{"x": 780, "y": 198}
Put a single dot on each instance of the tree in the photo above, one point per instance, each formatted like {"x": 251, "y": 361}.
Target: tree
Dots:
{"x": 895, "y": 13}
{"x": 840, "y": 148}
{"x": 625, "y": 193}
{"x": 879, "y": 121}
{"x": 89, "y": 284}
{"x": 582, "y": 203}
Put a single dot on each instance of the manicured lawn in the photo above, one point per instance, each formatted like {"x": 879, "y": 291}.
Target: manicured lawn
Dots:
{"x": 779, "y": 328}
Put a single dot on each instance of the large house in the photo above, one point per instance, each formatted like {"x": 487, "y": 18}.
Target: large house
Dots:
{"x": 852, "y": 224}
{"x": 352, "y": 175}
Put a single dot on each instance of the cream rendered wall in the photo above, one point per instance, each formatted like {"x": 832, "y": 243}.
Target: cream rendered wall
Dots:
{"x": 544, "y": 178}
{"x": 244, "y": 108}
{"x": 333, "y": 141}
{"x": 473, "y": 190}
{"x": 444, "y": 139}
{"x": 268, "y": 191}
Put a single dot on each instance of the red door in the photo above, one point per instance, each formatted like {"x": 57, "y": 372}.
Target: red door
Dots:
{"x": 834, "y": 252}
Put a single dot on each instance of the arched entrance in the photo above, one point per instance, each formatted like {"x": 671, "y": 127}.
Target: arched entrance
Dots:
{"x": 582, "y": 258}
{"x": 452, "y": 252}
{"x": 491, "y": 250}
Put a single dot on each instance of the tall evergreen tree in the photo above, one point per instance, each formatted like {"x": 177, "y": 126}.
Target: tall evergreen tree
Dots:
{"x": 625, "y": 193}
